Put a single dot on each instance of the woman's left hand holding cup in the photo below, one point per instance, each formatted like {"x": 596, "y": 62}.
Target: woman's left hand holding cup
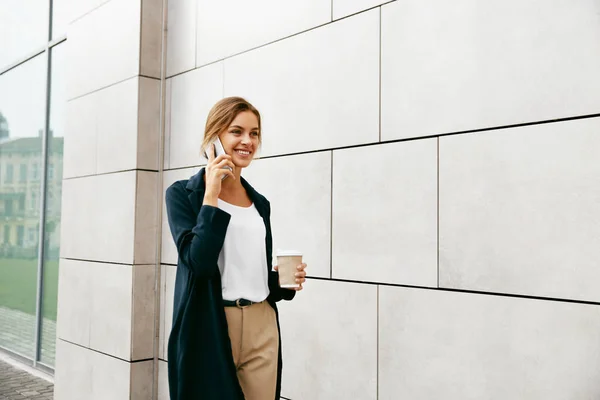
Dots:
{"x": 300, "y": 276}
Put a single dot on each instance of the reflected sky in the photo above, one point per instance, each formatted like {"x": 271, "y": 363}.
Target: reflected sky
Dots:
{"x": 22, "y": 97}
{"x": 17, "y": 42}
{"x": 17, "y": 85}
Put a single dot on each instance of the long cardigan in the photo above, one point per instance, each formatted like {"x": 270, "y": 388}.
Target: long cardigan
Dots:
{"x": 200, "y": 358}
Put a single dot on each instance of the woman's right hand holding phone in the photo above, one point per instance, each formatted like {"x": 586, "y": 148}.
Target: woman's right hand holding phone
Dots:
{"x": 215, "y": 170}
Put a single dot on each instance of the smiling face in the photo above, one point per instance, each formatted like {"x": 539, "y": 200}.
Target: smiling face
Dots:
{"x": 240, "y": 139}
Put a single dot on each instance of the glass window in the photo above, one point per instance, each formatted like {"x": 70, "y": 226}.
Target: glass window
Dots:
{"x": 35, "y": 171}
{"x": 3, "y": 128}
{"x": 33, "y": 201}
{"x": 8, "y": 207}
{"x": 58, "y": 102}
{"x": 23, "y": 29}
{"x": 9, "y": 174}
{"x": 62, "y": 11}
{"x": 32, "y": 234}
{"x": 20, "y": 235}
{"x": 23, "y": 173}
{"x": 6, "y": 237}
{"x": 22, "y": 108}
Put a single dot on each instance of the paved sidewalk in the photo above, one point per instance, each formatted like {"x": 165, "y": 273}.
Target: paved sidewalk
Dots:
{"x": 18, "y": 329}
{"x": 16, "y": 384}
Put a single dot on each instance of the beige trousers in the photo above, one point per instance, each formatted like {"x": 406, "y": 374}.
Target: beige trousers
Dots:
{"x": 255, "y": 346}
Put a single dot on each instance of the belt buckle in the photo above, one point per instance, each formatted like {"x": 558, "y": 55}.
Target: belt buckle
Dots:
{"x": 238, "y": 305}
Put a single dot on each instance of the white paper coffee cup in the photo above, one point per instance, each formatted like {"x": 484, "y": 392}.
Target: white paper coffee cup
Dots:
{"x": 287, "y": 263}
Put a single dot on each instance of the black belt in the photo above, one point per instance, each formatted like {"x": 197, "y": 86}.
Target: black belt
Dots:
{"x": 241, "y": 303}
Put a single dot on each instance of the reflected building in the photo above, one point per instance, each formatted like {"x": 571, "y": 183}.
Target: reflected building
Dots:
{"x": 20, "y": 197}
{"x": 3, "y": 127}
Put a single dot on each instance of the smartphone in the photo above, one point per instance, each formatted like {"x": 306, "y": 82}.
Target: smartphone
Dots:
{"x": 218, "y": 151}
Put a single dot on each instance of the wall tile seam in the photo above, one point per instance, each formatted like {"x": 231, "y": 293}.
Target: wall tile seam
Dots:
{"x": 39, "y": 50}
{"x": 150, "y": 31}
{"x": 136, "y": 206}
{"x": 362, "y": 10}
{"x": 514, "y": 126}
{"x": 161, "y": 308}
{"x": 163, "y": 159}
{"x": 71, "y": 178}
{"x": 90, "y": 11}
{"x": 331, "y": 217}
{"x": 132, "y": 314}
{"x": 399, "y": 285}
{"x": 445, "y": 289}
{"x": 195, "y": 35}
{"x": 113, "y": 84}
{"x": 105, "y": 354}
{"x": 138, "y": 134}
{"x": 149, "y": 77}
{"x": 168, "y": 120}
{"x": 140, "y": 38}
{"x": 379, "y": 71}
{"x": 333, "y": 149}
{"x": 168, "y": 264}
{"x": 89, "y": 325}
{"x": 106, "y": 86}
{"x": 272, "y": 42}
{"x": 378, "y": 345}
{"x": 132, "y": 327}
{"x": 95, "y": 130}
{"x": 463, "y": 291}
{"x": 57, "y": 40}
{"x": 393, "y": 141}
{"x": 175, "y": 75}
{"x": 438, "y": 210}
{"x": 223, "y": 79}
{"x": 107, "y": 262}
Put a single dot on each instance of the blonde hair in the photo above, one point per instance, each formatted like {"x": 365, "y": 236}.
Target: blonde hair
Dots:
{"x": 222, "y": 115}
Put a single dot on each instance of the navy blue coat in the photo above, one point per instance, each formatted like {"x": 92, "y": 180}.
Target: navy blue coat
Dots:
{"x": 200, "y": 359}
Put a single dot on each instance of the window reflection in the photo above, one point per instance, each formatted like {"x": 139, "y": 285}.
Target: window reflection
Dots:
{"x": 62, "y": 11}
{"x": 22, "y": 104}
{"x": 23, "y": 29}
{"x": 53, "y": 203}
{"x": 9, "y": 173}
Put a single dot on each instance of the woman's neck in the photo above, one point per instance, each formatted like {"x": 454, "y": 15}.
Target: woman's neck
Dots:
{"x": 229, "y": 185}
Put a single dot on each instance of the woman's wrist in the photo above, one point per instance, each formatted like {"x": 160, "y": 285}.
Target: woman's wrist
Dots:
{"x": 210, "y": 199}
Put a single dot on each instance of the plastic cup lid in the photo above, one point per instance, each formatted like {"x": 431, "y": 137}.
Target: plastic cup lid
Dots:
{"x": 283, "y": 253}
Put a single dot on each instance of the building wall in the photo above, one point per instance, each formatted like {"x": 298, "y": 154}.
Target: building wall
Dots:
{"x": 429, "y": 159}
{"x": 435, "y": 161}
{"x": 106, "y": 302}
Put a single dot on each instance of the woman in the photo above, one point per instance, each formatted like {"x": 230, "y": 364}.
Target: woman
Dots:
{"x": 225, "y": 341}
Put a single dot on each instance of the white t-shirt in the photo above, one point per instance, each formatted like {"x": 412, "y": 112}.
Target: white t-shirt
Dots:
{"x": 243, "y": 260}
